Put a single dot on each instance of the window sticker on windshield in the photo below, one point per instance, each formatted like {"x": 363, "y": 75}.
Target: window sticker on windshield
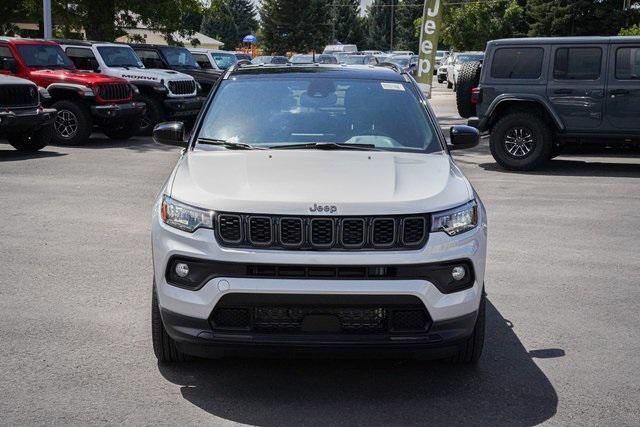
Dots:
{"x": 392, "y": 86}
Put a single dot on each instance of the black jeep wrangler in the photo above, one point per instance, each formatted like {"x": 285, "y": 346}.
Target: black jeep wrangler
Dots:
{"x": 535, "y": 95}
{"x": 23, "y": 122}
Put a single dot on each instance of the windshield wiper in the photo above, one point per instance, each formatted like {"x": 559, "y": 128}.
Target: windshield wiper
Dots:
{"x": 228, "y": 144}
{"x": 326, "y": 146}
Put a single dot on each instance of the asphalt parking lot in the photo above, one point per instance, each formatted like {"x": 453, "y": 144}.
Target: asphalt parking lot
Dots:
{"x": 563, "y": 275}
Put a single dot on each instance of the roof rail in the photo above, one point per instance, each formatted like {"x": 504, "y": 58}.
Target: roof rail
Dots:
{"x": 390, "y": 65}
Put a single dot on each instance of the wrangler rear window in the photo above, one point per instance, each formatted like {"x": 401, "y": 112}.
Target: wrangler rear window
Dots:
{"x": 517, "y": 63}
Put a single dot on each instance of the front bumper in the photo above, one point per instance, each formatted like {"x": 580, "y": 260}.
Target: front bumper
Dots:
{"x": 26, "y": 119}
{"x": 186, "y": 313}
{"x": 184, "y": 107}
{"x": 110, "y": 112}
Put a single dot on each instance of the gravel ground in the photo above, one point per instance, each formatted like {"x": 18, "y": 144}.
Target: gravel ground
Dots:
{"x": 563, "y": 315}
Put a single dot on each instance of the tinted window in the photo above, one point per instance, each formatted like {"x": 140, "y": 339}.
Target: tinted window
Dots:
{"x": 279, "y": 60}
{"x": 119, "y": 56}
{"x": 82, "y": 58}
{"x": 5, "y": 54}
{"x": 179, "y": 57}
{"x": 150, "y": 58}
{"x": 44, "y": 56}
{"x": 356, "y": 59}
{"x": 272, "y": 111}
{"x": 203, "y": 61}
{"x": 628, "y": 63}
{"x": 577, "y": 63}
{"x": 224, "y": 60}
{"x": 517, "y": 63}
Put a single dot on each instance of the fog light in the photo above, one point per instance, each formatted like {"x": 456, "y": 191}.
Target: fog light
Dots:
{"x": 458, "y": 272}
{"x": 182, "y": 269}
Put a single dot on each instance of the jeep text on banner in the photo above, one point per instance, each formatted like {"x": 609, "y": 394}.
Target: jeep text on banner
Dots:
{"x": 431, "y": 22}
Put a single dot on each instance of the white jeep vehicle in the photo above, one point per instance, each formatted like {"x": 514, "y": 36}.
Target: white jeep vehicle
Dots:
{"x": 316, "y": 207}
{"x": 168, "y": 94}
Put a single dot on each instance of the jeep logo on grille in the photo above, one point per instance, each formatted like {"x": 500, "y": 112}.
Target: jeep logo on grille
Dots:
{"x": 323, "y": 208}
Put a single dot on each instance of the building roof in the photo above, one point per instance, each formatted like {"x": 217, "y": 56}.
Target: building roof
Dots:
{"x": 151, "y": 36}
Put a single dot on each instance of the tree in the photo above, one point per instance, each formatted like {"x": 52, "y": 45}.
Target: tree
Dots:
{"x": 578, "y": 17}
{"x": 630, "y": 31}
{"x": 244, "y": 16}
{"x": 347, "y": 24}
{"x": 290, "y": 25}
{"x": 218, "y": 23}
{"x": 407, "y": 13}
{"x": 472, "y": 25}
{"x": 379, "y": 15}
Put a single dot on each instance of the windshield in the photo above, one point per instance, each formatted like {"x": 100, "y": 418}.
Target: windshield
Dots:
{"x": 119, "y": 56}
{"x": 272, "y": 111}
{"x": 403, "y": 62}
{"x": 302, "y": 59}
{"x": 224, "y": 60}
{"x": 470, "y": 57}
{"x": 44, "y": 56}
{"x": 354, "y": 59}
{"x": 179, "y": 57}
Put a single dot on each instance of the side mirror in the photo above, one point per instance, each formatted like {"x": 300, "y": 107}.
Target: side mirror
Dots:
{"x": 170, "y": 133}
{"x": 463, "y": 137}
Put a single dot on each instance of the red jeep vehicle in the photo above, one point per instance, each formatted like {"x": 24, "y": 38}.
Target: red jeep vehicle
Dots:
{"x": 83, "y": 99}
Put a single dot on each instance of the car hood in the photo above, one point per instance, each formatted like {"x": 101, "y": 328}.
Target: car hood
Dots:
{"x": 292, "y": 181}
{"x": 203, "y": 75}
{"x": 73, "y": 76}
{"x": 151, "y": 74}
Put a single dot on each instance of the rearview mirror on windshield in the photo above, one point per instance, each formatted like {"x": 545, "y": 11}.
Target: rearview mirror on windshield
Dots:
{"x": 170, "y": 133}
{"x": 463, "y": 136}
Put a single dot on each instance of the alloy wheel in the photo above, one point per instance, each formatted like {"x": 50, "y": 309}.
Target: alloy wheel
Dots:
{"x": 519, "y": 141}
{"x": 66, "y": 124}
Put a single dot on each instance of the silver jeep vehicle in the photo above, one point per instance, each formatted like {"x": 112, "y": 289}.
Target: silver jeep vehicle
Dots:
{"x": 535, "y": 95}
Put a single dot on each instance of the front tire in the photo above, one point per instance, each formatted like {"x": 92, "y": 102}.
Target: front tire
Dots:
{"x": 124, "y": 130}
{"x": 164, "y": 346}
{"x": 32, "y": 142}
{"x": 471, "y": 350}
{"x": 521, "y": 141}
{"x": 73, "y": 123}
{"x": 153, "y": 115}
{"x": 449, "y": 85}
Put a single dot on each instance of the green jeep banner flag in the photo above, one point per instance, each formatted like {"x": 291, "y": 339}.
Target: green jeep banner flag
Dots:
{"x": 429, "y": 33}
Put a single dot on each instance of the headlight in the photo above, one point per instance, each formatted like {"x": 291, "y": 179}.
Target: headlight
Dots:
{"x": 198, "y": 87}
{"x": 44, "y": 94}
{"x": 184, "y": 217}
{"x": 457, "y": 220}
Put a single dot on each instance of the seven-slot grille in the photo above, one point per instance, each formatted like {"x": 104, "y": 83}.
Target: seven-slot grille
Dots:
{"x": 18, "y": 96}
{"x": 182, "y": 87}
{"x": 114, "y": 91}
{"x": 322, "y": 233}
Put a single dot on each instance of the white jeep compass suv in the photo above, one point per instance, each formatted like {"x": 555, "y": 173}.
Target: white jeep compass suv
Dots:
{"x": 317, "y": 208}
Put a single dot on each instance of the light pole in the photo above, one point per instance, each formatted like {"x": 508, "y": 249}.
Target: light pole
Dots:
{"x": 391, "y": 35}
{"x": 46, "y": 19}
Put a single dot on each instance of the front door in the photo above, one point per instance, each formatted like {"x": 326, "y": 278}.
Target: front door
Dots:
{"x": 623, "y": 89}
{"x": 576, "y": 85}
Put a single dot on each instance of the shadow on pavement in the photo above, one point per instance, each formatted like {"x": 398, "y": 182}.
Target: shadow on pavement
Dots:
{"x": 507, "y": 388}
{"x": 564, "y": 167}
{"x": 15, "y": 155}
{"x": 140, "y": 144}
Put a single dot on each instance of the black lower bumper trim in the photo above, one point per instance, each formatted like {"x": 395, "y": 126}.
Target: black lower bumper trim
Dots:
{"x": 196, "y": 337}
{"x": 182, "y": 107}
{"x": 26, "y": 119}
{"x": 110, "y": 112}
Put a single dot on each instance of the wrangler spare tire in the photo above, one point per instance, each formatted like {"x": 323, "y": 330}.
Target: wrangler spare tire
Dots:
{"x": 468, "y": 78}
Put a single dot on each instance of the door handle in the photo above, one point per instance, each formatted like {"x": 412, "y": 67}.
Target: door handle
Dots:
{"x": 562, "y": 91}
{"x": 619, "y": 91}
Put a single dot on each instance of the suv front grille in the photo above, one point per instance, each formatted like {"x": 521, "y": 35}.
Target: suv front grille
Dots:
{"x": 322, "y": 233}
{"x": 182, "y": 87}
{"x": 25, "y": 95}
{"x": 115, "y": 91}
{"x": 334, "y": 314}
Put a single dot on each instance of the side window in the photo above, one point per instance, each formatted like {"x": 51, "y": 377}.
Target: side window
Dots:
{"x": 82, "y": 58}
{"x": 577, "y": 63}
{"x": 202, "y": 61}
{"x": 628, "y": 63}
{"x": 5, "y": 58}
{"x": 517, "y": 63}
{"x": 150, "y": 58}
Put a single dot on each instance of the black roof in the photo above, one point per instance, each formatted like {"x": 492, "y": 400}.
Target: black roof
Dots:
{"x": 565, "y": 40}
{"x": 321, "y": 70}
